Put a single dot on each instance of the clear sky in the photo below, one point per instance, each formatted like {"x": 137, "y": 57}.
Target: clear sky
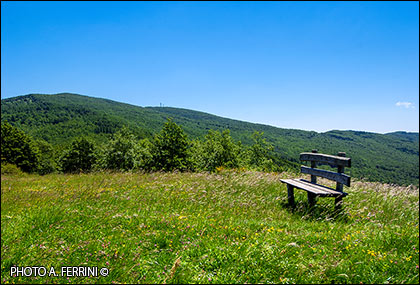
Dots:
{"x": 303, "y": 65}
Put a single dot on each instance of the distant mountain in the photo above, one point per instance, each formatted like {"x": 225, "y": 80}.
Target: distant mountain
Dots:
{"x": 391, "y": 158}
{"x": 413, "y": 137}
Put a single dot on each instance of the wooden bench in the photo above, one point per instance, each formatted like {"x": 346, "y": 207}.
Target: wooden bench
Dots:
{"x": 311, "y": 187}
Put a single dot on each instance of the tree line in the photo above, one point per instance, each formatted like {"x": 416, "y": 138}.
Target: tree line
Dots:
{"x": 168, "y": 150}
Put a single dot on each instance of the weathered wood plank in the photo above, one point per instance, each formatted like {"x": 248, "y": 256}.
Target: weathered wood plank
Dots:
{"x": 317, "y": 189}
{"x": 339, "y": 177}
{"x": 326, "y": 159}
{"x": 322, "y": 188}
{"x": 298, "y": 184}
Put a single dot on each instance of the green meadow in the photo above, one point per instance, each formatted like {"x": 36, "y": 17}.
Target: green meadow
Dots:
{"x": 231, "y": 226}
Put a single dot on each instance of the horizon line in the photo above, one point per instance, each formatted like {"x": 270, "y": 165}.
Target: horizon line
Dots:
{"x": 257, "y": 123}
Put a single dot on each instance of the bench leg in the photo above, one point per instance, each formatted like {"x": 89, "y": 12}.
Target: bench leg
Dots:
{"x": 290, "y": 195}
{"x": 311, "y": 199}
{"x": 338, "y": 202}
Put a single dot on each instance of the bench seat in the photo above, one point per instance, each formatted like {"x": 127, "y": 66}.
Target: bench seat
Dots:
{"x": 314, "y": 190}
{"x": 317, "y": 189}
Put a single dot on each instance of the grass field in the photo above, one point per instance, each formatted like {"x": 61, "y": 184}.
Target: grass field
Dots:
{"x": 227, "y": 227}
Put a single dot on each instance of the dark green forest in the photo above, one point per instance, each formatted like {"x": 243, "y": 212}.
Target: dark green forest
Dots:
{"x": 57, "y": 124}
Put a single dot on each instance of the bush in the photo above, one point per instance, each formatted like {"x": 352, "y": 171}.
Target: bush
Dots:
{"x": 144, "y": 156}
{"x": 10, "y": 169}
{"x": 121, "y": 152}
{"x": 46, "y": 162}
{"x": 169, "y": 149}
{"x": 79, "y": 157}
{"x": 18, "y": 148}
{"x": 261, "y": 153}
{"x": 260, "y": 149}
{"x": 218, "y": 149}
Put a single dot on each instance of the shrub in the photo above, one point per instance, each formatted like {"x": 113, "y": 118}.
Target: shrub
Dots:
{"x": 79, "y": 157}
{"x": 18, "y": 148}
{"x": 121, "y": 152}
{"x": 46, "y": 162}
{"x": 10, "y": 169}
{"x": 261, "y": 153}
{"x": 169, "y": 149}
{"x": 218, "y": 149}
{"x": 144, "y": 156}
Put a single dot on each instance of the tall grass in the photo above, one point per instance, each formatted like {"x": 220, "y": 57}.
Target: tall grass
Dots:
{"x": 227, "y": 227}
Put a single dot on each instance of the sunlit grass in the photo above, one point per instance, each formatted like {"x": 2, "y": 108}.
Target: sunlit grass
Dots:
{"x": 227, "y": 227}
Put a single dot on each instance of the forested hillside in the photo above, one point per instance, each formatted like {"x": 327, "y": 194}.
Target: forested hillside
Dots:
{"x": 57, "y": 119}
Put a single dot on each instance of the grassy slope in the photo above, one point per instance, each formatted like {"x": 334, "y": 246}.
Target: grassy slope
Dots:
{"x": 229, "y": 227}
{"x": 391, "y": 158}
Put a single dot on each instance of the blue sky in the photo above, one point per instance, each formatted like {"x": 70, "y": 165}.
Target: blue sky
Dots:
{"x": 303, "y": 65}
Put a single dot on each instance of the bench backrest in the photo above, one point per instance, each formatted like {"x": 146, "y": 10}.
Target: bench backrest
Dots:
{"x": 339, "y": 161}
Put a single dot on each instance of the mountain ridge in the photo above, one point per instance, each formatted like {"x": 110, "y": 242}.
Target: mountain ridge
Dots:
{"x": 398, "y": 132}
{"x": 58, "y": 118}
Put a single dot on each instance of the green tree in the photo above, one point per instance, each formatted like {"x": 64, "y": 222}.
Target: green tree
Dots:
{"x": 79, "y": 157}
{"x": 145, "y": 158}
{"x": 218, "y": 149}
{"x": 260, "y": 155}
{"x": 169, "y": 149}
{"x": 195, "y": 156}
{"x": 18, "y": 148}
{"x": 47, "y": 162}
{"x": 122, "y": 151}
